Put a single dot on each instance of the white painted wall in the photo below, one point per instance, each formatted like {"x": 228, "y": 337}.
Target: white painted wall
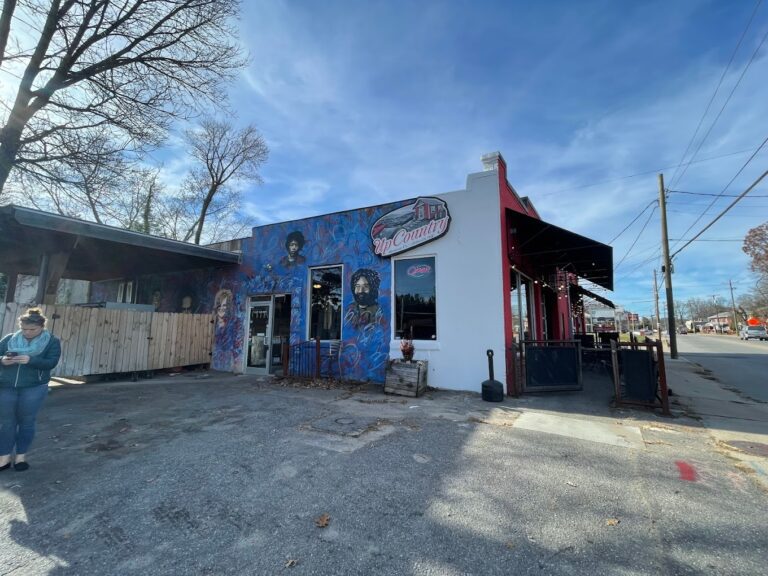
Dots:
{"x": 470, "y": 317}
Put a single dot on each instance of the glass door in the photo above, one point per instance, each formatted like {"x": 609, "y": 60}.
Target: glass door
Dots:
{"x": 281, "y": 332}
{"x": 259, "y": 335}
{"x": 269, "y": 329}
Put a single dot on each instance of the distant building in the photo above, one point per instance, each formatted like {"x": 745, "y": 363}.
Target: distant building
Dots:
{"x": 720, "y": 322}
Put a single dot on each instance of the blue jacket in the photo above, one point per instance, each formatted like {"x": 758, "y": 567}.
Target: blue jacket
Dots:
{"x": 36, "y": 372}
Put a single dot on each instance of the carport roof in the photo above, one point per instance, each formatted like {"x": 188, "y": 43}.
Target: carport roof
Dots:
{"x": 97, "y": 251}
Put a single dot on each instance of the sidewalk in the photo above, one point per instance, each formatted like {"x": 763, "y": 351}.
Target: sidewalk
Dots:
{"x": 738, "y": 425}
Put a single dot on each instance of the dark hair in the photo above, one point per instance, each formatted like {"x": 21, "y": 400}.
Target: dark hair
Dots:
{"x": 33, "y": 316}
{"x": 295, "y": 236}
{"x": 373, "y": 280}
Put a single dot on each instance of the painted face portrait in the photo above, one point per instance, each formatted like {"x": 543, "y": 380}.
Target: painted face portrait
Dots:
{"x": 294, "y": 243}
{"x": 362, "y": 292}
{"x": 222, "y": 307}
{"x": 365, "y": 287}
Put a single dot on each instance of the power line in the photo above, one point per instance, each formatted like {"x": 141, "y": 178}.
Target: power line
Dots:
{"x": 633, "y": 221}
{"x": 755, "y": 183}
{"x": 713, "y": 194}
{"x": 727, "y": 100}
{"x": 710, "y": 239}
{"x": 636, "y": 238}
{"x": 717, "y": 88}
{"x": 645, "y": 173}
{"x": 726, "y": 188}
{"x": 656, "y": 255}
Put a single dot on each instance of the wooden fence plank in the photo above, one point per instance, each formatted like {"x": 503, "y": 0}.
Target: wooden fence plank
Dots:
{"x": 112, "y": 335}
{"x": 97, "y": 366}
{"x": 104, "y": 341}
{"x": 81, "y": 330}
{"x": 89, "y": 345}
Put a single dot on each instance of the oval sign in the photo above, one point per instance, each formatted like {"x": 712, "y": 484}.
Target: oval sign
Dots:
{"x": 419, "y": 270}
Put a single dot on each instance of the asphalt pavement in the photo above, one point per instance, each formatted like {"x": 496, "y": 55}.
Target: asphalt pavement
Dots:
{"x": 208, "y": 473}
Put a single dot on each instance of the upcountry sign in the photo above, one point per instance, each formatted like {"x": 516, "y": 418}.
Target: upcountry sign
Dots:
{"x": 412, "y": 225}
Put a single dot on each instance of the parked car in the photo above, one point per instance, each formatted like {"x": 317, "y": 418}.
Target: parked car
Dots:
{"x": 756, "y": 332}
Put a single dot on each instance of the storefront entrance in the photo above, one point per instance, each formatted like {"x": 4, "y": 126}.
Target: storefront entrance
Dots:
{"x": 523, "y": 319}
{"x": 269, "y": 324}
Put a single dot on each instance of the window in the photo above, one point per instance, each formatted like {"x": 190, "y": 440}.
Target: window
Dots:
{"x": 125, "y": 292}
{"x": 415, "y": 300}
{"x": 325, "y": 303}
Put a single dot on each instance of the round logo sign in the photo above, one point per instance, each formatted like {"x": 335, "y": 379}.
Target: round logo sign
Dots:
{"x": 419, "y": 270}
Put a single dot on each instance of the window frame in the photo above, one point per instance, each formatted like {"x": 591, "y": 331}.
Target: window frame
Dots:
{"x": 423, "y": 344}
{"x": 308, "y": 330}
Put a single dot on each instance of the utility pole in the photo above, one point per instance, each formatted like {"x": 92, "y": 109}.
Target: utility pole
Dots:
{"x": 667, "y": 271}
{"x": 656, "y": 300}
{"x": 733, "y": 307}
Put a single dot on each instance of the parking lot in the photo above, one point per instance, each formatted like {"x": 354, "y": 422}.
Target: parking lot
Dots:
{"x": 209, "y": 473}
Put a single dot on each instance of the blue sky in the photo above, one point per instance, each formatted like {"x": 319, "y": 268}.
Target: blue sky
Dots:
{"x": 365, "y": 102}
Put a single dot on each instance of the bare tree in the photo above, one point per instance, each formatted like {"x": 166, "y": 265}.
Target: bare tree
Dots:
{"x": 756, "y": 247}
{"x": 125, "y": 68}
{"x": 138, "y": 202}
{"x": 225, "y": 157}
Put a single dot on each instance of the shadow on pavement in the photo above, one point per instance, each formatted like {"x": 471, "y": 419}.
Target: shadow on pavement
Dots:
{"x": 231, "y": 475}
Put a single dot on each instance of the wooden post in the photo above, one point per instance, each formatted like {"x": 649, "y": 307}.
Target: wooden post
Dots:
{"x": 11, "y": 276}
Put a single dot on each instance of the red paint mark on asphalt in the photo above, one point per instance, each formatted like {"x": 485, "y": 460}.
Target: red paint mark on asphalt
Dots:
{"x": 687, "y": 472}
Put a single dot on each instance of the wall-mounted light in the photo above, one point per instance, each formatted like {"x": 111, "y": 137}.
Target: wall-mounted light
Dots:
{"x": 316, "y": 286}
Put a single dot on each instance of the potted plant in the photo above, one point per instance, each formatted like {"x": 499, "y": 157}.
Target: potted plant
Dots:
{"x": 407, "y": 349}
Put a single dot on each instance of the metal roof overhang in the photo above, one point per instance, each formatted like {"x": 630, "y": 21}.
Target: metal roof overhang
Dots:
{"x": 548, "y": 246}
{"x": 97, "y": 251}
{"x": 583, "y": 291}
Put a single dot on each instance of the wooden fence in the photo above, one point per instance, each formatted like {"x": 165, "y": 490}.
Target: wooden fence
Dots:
{"x": 107, "y": 341}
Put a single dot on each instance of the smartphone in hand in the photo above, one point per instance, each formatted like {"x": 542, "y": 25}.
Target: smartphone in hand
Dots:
{"x": 11, "y": 354}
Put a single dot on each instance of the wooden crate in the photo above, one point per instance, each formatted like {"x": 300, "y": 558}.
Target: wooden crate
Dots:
{"x": 406, "y": 378}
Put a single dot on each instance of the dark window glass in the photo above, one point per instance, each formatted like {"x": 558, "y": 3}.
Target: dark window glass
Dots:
{"x": 325, "y": 303}
{"x": 415, "y": 302}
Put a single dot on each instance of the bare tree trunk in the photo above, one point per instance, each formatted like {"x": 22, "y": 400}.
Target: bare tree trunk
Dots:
{"x": 204, "y": 210}
{"x": 26, "y": 104}
{"x": 5, "y": 25}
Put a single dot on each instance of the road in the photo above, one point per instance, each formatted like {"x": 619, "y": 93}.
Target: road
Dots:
{"x": 737, "y": 364}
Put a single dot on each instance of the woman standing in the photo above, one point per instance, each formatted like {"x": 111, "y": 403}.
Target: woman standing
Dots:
{"x": 26, "y": 359}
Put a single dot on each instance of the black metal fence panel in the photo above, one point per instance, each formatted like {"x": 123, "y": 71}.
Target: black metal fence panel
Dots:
{"x": 553, "y": 365}
{"x": 304, "y": 362}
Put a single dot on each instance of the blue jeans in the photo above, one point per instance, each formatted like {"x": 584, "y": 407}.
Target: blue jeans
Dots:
{"x": 18, "y": 411}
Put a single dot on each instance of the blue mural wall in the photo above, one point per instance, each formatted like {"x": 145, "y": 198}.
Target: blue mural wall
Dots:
{"x": 271, "y": 266}
{"x": 277, "y": 260}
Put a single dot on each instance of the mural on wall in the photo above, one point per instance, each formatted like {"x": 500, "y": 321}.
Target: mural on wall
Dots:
{"x": 228, "y": 331}
{"x": 294, "y": 243}
{"x": 283, "y": 258}
{"x": 336, "y": 240}
{"x": 221, "y": 307}
{"x": 365, "y": 309}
